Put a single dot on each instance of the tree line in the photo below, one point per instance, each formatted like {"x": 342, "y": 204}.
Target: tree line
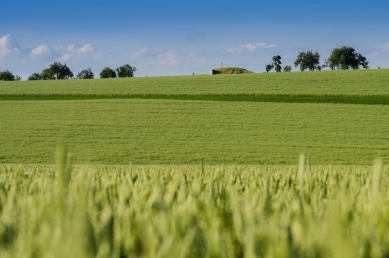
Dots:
{"x": 58, "y": 71}
{"x": 341, "y": 58}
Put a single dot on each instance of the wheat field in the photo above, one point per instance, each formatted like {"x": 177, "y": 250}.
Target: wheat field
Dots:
{"x": 193, "y": 211}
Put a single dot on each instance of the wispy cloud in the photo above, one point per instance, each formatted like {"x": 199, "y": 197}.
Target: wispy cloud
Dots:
{"x": 71, "y": 51}
{"x": 169, "y": 58}
{"x": 40, "y": 50}
{"x": 85, "y": 49}
{"x": 384, "y": 47}
{"x": 379, "y": 56}
{"x": 140, "y": 53}
{"x": 195, "y": 58}
{"x": 65, "y": 57}
{"x": 250, "y": 47}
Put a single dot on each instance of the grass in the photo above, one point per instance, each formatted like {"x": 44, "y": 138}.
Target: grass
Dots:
{"x": 360, "y": 82}
{"x": 337, "y": 117}
{"x": 258, "y": 204}
{"x": 144, "y": 131}
{"x": 189, "y": 211}
{"x": 278, "y": 98}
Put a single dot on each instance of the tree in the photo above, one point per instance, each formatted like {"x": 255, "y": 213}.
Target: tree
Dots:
{"x": 107, "y": 73}
{"x": 18, "y": 78}
{"x": 34, "y": 76}
{"x": 308, "y": 60}
{"x": 277, "y": 63}
{"x": 287, "y": 68}
{"x": 126, "y": 71}
{"x": 6, "y": 76}
{"x": 269, "y": 67}
{"x": 47, "y": 75}
{"x": 345, "y": 58}
{"x": 86, "y": 74}
{"x": 57, "y": 71}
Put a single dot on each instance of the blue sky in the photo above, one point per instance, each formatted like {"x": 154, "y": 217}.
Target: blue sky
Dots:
{"x": 169, "y": 37}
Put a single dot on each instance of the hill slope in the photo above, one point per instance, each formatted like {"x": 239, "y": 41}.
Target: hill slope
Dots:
{"x": 230, "y": 70}
{"x": 226, "y": 119}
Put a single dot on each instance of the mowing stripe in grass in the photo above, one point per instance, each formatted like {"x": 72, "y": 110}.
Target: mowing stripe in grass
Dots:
{"x": 281, "y": 98}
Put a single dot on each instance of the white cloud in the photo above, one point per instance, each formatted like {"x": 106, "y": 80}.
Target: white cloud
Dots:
{"x": 65, "y": 57}
{"x": 40, "y": 50}
{"x": 8, "y": 42}
{"x": 169, "y": 58}
{"x": 4, "y": 52}
{"x": 8, "y": 46}
{"x": 139, "y": 53}
{"x": 71, "y": 48}
{"x": 84, "y": 49}
{"x": 250, "y": 47}
{"x": 71, "y": 51}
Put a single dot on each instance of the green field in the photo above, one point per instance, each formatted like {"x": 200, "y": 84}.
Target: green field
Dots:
{"x": 336, "y": 117}
{"x": 196, "y": 166}
{"x": 182, "y": 132}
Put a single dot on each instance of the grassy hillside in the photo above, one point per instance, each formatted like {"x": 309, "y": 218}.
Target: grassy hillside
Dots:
{"x": 359, "y": 82}
{"x": 244, "y": 119}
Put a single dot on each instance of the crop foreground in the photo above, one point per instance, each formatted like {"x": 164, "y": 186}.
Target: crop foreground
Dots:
{"x": 193, "y": 211}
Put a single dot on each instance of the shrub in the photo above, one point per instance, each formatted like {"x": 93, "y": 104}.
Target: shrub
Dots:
{"x": 86, "y": 74}
{"x": 287, "y": 68}
{"x": 107, "y": 73}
